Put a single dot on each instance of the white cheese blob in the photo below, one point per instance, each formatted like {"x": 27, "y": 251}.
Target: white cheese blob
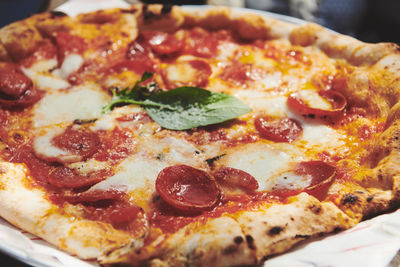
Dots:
{"x": 181, "y": 72}
{"x": 81, "y": 102}
{"x": 261, "y": 160}
{"x": 44, "y": 65}
{"x": 290, "y": 180}
{"x": 137, "y": 171}
{"x": 46, "y": 81}
{"x": 71, "y": 63}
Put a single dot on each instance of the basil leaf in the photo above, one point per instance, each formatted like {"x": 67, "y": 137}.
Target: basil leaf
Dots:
{"x": 191, "y": 107}
{"x": 181, "y": 108}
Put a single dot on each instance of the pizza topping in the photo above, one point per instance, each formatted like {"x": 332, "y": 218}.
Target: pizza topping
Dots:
{"x": 12, "y": 82}
{"x": 320, "y": 172}
{"x": 47, "y": 50}
{"x": 232, "y": 180}
{"x": 71, "y": 64}
{"x": 186, "y": 73}
{"x": 137, "y": 51}
{"x": 93, "y": 196}
{"x": 278, "y": 130}
{"x": 326, "y": 103}
{"x": 162, "y": 43}
{"x": 240, "y": 74}
{"x": 64, "y": 177}
{"x": 187, "y": 188}
{"x": 16, "y": 89}
{"x": 181, "y": 108}
{"x": 201, "y": 43}
{"x": 68, "y": 44}
{"x": 78, "y": 141}
{"x": 313, "y": 177}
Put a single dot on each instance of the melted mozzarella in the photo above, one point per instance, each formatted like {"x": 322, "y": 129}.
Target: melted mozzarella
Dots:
{"x": 181, "y": 72}
{"x": 261, "y": 160}
{"x": 82, "y": 102}
{"x": 313, "y": 99}
{"x": 137, "y": 171}
{"x": 91, "y": 165}
{"x": 44, "y": 148}
{"x": 140, "y": 170}
{"x": 46, "y": 81}
{"x": 71, "y": 63}
{"x": 316, "y": 134}
{"x": 292, "y": 181}
{"x": 44, "y": 65}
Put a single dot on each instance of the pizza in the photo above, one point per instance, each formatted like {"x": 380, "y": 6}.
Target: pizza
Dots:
{"x": 154, "y": 135}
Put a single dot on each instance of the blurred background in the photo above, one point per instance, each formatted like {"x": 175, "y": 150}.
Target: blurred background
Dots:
{"x": 368, "y": 20}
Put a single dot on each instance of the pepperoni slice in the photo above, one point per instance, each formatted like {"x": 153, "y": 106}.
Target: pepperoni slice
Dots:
{"x": 322, "y": 175}
{"x": 162, "y": 43}
{"x": 137, "y": 51}
{"x": 93, "y": 196}
{"x": 137, "y": 66}
{"x": 64, "y": 177}
{"x": 138, "y": 60}
{"x": 16, "y": 89}
{"x": 79, "y": 142}
{"x": 201, "y": 43}
{"x": 187, "y": 188}
{"x": 68, "y": 44}
{"x": 278, "y": 130}
{"x": 336, "y": 99}
{"x": 232, "y": 179}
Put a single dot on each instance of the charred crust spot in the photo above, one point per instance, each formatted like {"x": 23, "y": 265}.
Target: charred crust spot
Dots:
{"x": 250, "y": 241}
{"x": 349, "y": 198}
{"x": 238, "y": 240}
{"x": 317, "y": 209}
{"x": 230, "y": 249}
{"x": 166, "y": 8}
{"x": 370, "y": 198}
{"x": 291, "y": 218}
{"x": 138, "y": 251}
{"x": 275, "y": 230}
{"x": 55, "y": 14}
{"x": 337, "y": 229}
{"x": 303, "y": 236}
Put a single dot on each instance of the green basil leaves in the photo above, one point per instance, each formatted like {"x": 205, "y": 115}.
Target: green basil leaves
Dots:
{"x": 181, "y": 108}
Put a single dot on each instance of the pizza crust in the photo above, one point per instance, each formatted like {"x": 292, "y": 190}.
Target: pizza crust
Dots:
{"x": 27, "y": 207}
{"x": 242, "y": 238}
